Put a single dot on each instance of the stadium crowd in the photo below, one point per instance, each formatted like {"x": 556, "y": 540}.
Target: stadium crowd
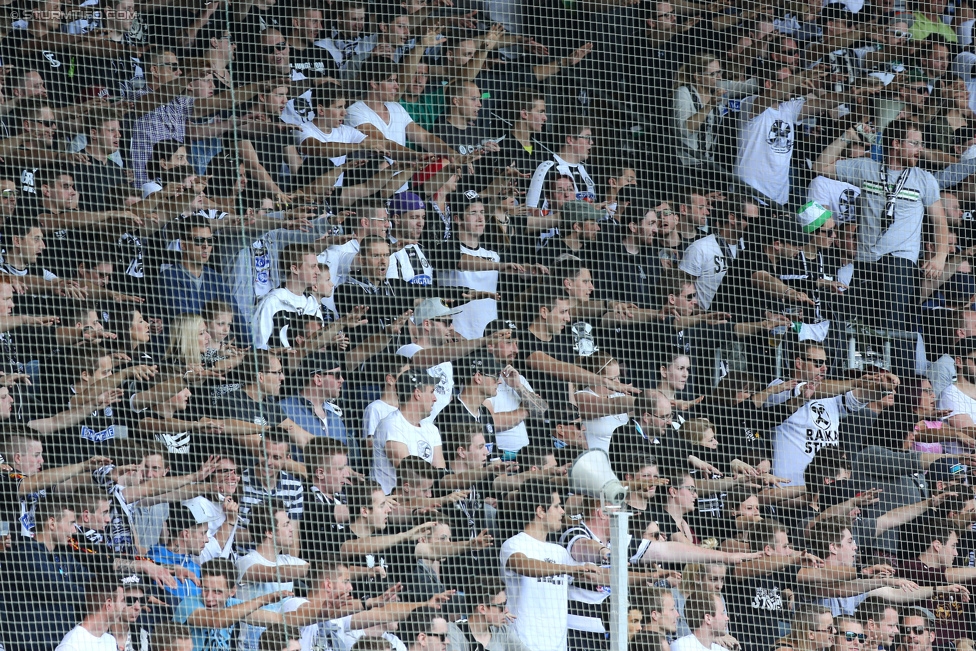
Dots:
{"x": 306, "y": 310}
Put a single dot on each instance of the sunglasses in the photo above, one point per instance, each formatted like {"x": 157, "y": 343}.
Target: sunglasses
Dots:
{"x": 280, "y": 46}
{"x": 914, "y": 630}
{"x": 200, "y": 241}
{"x": 850, "y": 636}
{"x": 818, "y": 362}
{"x": 688, "y": 297}
{"x": 440, "y": 636}
{"x": 897, "y": 33}
{"x": 50, "y": 124}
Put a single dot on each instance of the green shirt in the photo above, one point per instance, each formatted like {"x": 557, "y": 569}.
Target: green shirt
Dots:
{"x": 427, "y": 108}
{"x": 923, "y": 27}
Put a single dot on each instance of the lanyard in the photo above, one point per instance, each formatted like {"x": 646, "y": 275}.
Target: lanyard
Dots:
{"x": 892, "y": 195}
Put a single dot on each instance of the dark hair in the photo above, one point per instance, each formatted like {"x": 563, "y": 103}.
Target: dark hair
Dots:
{"x": 416, "y": 623}
{"x": 320, "y": 450}
{"x": 764, "y": 533}
{"x": 458, "y": 435}
{"x": 220, "y": 567}
{"x": 262, "y": 517}
{"x": 530, "y": 495}
{"x": 360, "y": 496}
{"x": 896, "y": 130}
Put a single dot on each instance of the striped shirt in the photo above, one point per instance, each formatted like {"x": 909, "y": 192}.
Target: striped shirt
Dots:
{"x": 288, "y": 489}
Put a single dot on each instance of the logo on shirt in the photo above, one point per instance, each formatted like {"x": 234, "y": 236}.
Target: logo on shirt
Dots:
{"x": 820, "y": 418}
{"x": 780, "y": 137}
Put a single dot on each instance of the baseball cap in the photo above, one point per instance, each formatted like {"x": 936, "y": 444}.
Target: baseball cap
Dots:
{"x": 318, "y": 362}
{"x": 460, "y": 200}
{"x": 812, "y": 216}
{"x": 947, "y": 470}
{"x": 183, "y": 517}
{"x": 481, "y": 361}
{"x": 406, "y": 201}
{"x": 414, "y": 378}
{"x": 432, "y": 308}
{"x": 577, "y": 212}
{"x": 498, "y": 325}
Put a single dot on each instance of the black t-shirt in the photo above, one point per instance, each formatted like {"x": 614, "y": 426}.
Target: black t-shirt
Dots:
{"x": 561, "y": 348}
{"x": 397, "y": 560}
{"x": 100, "y": 185}
{"x": 456, "y": 415}
{"x": 466, "y": 141}
{"x": 738, "y": 296}
{"x": 757, "y": 606}
{"x": 237, "y": 405}
{"x": 187, "y": 448}
{"x": 318, "y": 525}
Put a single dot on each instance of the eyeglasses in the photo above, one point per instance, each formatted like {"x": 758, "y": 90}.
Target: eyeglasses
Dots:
{"x": 690, "y": 489}
{"x": 850, "y": 636}
{"x": 50, "y": 124}
{"x": 665, "y": 213}
{"x": 817, "y": 362}
{"x": 913, "y": 143}
{"x": 586, "y": 138}
{"x": 501, "y": 607}
{"x": 830, "y": 629}
{"x": 897, "y": 33}
{"x": 913, "y": 630}
{"x": 132, "y": 601}
{"x": 280, "y": 46}
{"x": 667, "y": 418}
{"x": 200, "y": 241}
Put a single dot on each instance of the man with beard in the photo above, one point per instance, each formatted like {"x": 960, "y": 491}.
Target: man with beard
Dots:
{"x": 880, "y": 622}
{"x": 896, "y": 196}
{"x": 916, "y": 629}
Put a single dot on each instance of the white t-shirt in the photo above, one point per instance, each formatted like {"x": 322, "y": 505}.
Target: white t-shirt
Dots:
{"x": 954, "y": 399}
{"x": 252, "y": 590}
{"x": 331, "y": 634}
{"x": 395, "y": 129}
{"x": 691, "y": 643}
{"x": 339, "y": 259}
{"x": 79, "y": 639}
{"x": 812, "y": 427}
{"x": 705, "y": 260}
{"x": 507, "y": 399}
{"x": 766, "y": 147}
{"x": 444, "y": 372}
{"x": 600, "y": 430}
{"x": 420, "y": 441}
{"x": 272, "y": 317}
{"x": 539, "y": 605}
{"x": 341, "y": 134}
{"x": 839, "y": 197}
{"x": 474, "y": 316}
{"x": 374, "y": 414}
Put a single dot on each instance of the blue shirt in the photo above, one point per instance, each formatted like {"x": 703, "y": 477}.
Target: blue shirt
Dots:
{"x": 185, "y": 588}
{"x": 183, "y": 293}
{"x": 205, "y": 639}
{"x": 299, "y": 409}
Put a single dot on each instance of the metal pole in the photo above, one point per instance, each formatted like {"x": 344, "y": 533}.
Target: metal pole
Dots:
{"x": 619, "y": 602}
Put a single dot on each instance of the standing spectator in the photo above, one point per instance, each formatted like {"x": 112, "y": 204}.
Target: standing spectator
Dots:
{"x": 273, "y": 315}
{"x": 708, "y": 621}
{"x": 407, "y": 431}
{"x": 575, "y": 142}
{"x": 105, "y": 604}
{"x": 44, "y": 583}
{"x": 190, "y": 284}
{"x": 696, "y": 114}
{"x": 537, "y": 573}
{"x": 896, "y": 197}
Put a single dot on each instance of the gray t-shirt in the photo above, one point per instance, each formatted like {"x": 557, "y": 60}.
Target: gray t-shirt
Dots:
{"x": 903, "y": 237}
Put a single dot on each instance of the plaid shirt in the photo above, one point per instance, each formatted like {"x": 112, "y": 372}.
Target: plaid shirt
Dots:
{"x": 168, "y": 122}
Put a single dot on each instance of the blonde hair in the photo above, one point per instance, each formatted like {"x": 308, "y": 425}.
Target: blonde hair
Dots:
{"x": 694, "y": 430}
{"x": 184, "y": 340}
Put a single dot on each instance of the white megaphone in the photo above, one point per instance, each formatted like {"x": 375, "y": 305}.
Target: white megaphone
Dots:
{"x": 591, "y": 475}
